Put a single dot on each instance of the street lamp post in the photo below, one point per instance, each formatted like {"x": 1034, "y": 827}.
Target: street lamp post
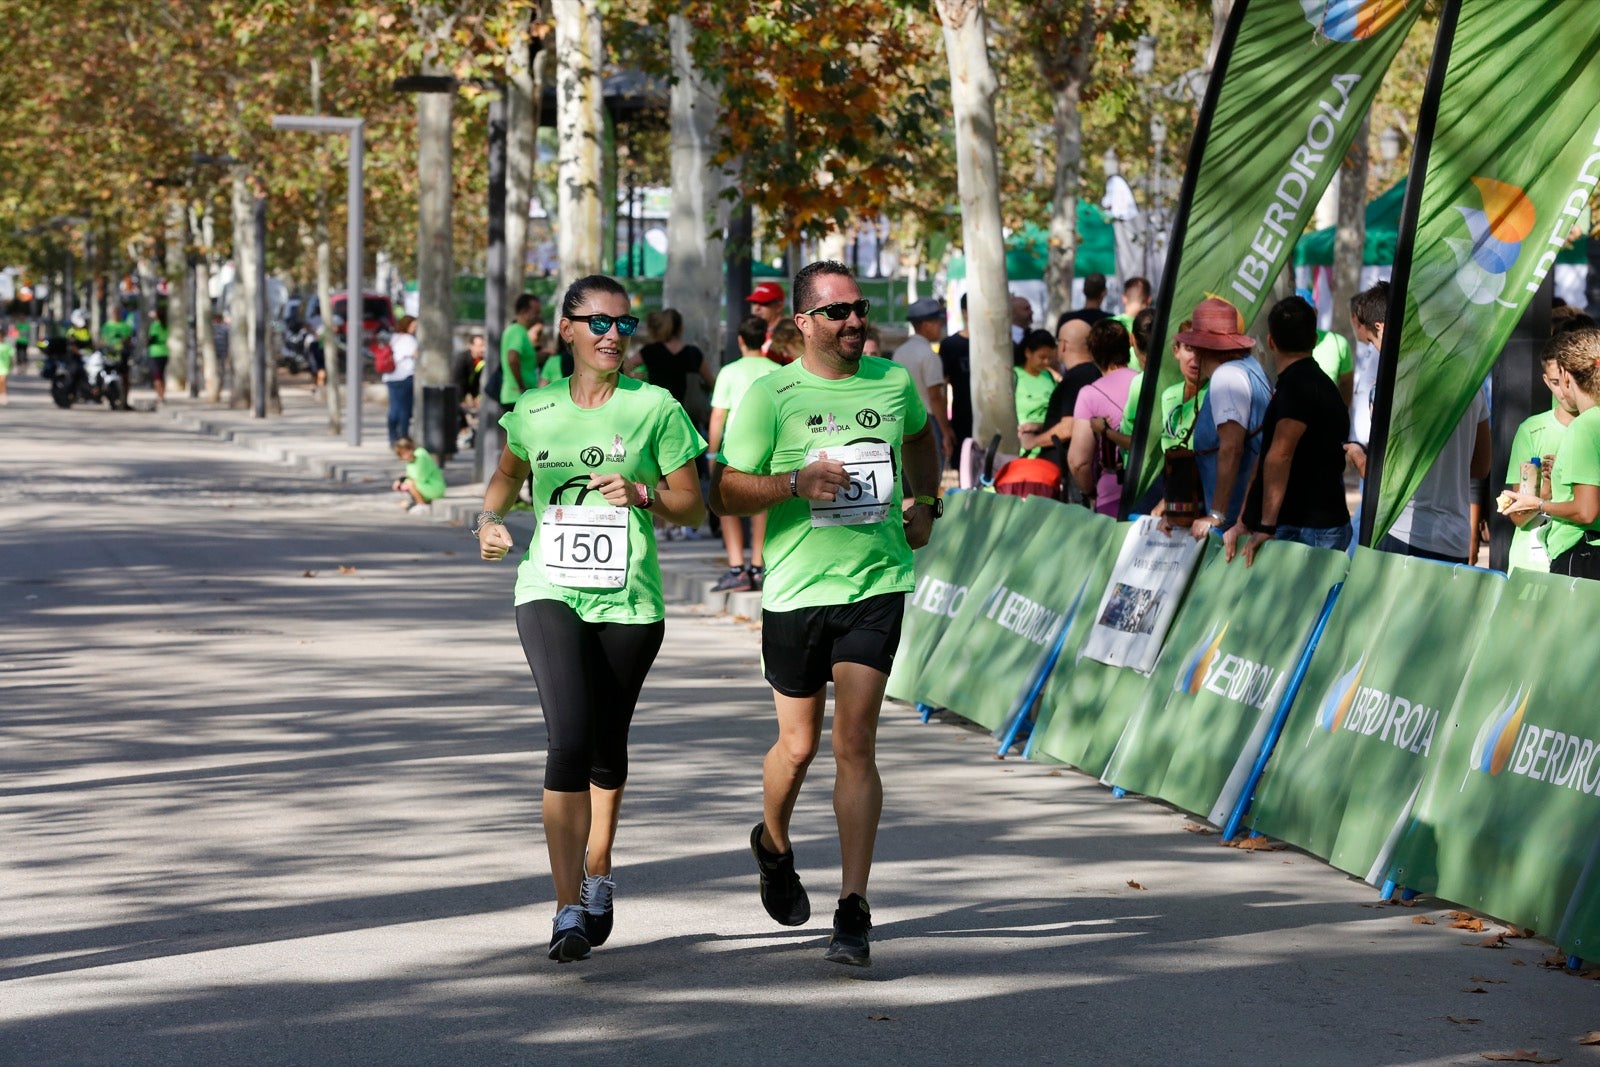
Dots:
{"x": 353, "y": 307}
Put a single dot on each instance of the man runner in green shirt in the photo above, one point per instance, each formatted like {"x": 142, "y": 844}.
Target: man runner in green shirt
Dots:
{"x": 819, "y": 445}
{"x": 519, "y": 360}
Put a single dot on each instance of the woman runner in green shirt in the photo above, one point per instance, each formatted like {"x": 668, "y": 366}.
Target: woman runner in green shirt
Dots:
{"x": 606, "y": 453}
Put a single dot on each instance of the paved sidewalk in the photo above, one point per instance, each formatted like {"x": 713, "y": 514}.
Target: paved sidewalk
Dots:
{"x": 269, "y": 778}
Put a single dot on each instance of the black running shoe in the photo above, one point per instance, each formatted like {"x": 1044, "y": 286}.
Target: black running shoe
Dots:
{"x": 568, "y": 942}
{"x": 595, "y": 895}
{"x": 736, "y": 580}
{"x": 851, "y": 924}
{"x": 781, "y": 892}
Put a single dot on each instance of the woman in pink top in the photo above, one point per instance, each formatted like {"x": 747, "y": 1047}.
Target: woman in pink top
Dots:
{"x": 1094, "y": 461}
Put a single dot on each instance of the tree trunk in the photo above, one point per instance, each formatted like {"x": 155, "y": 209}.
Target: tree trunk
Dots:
{"x": 1350, "y": 239}
{"x": 326, "y": 335}
{"x": 177, "y": 295}
{"x": 94, "y": 271}
{"x": 578, "y": 110}
{"x": 1063, "y": 258}
{"x": 242, "y": 305}
{"x": 210, "y": 371}
{"x": 1220, "y": 10}
{"x": 972, "y": 92}
{"x": 693, "y": 284}
{"x": 524, "y": 91}
{"x": 435, "y": 267}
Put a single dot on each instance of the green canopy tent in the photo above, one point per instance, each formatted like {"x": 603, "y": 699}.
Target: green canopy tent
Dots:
{"x": 1027, "y": 249}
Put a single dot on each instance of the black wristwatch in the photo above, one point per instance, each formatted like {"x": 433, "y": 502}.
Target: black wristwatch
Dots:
{"x": 934, "y": 502}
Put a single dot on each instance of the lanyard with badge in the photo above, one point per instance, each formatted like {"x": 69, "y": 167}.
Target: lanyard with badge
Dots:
{"x": 583, "y": 546}
{"x": 866, "y": 499}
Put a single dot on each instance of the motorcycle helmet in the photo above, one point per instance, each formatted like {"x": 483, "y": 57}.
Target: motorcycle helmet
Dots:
{"x": 79, "y": 318}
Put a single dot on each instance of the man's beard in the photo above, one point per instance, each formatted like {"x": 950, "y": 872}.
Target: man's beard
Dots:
{"x": 846, "y": 347}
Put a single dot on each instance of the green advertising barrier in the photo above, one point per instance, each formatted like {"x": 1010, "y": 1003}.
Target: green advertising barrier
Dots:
{"x": 1508, "y": 821}
{"x": 1366, "y": 724}
{"x": 1085, "y": 707}
{"x": 1054, "y": 559}
{"x": 972, "y": 525}
{"x": 1222, "y": 671}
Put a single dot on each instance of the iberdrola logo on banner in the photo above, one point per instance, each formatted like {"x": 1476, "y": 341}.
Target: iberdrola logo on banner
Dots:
{"x": 1491, "y": 751}
{"x": 1336, "y": 705}
{"x": 1454, "y": 296}
{"x": 1351, "y": 20}
{"x": 1193, "y": 675}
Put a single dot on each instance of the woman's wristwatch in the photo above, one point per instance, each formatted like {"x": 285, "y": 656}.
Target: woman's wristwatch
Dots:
{"x": 1216, "y": 518}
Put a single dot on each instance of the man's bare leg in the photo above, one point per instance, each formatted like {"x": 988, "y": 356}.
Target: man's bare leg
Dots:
{"x": 857, "y": 789}
{"x": 784, "y": 770}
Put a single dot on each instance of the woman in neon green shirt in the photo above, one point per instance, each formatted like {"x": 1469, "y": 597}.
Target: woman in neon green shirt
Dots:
{"x": 1572, "y": 538}
{"x": 606, "y": 454}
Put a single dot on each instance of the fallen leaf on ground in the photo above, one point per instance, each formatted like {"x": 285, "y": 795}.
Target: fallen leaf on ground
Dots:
{"x": 1591, "y": 1038}
{"x": 1520, "y": 1055}
{"x": 1474, "y": 926}
{"x": 1463, "y": 1020}
{"x": 1423, "y": 920}
{"x": 1196, "y": 828}
{"x": 1475, "y": 989}
{"x": 346, "y": 570}
{"x": 1053, "y": 774}
{"x": 1517, "y": 931}
{"x": 1487, "y": 981}
{"x": 1254, "y": 844}
{"x": 1134, "y": 885}
{"x": 1519, "y": 963}
{"x": 879, "y": 1018}
{"x": 308, "y": 574}
{"x": 1555, "y": 959}
{"x": 1497, "y": 941}
{"x": 999, "y": 755}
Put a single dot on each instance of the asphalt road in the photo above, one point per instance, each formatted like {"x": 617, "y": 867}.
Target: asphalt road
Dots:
{"x": 269, "y": 772}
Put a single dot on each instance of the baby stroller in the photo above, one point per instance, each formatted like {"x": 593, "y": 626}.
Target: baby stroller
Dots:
{"x": 1015, "y": 475}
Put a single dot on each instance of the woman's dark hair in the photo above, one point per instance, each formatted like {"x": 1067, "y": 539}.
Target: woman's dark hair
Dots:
{"x": 1037, "y": 339}
{"x": 1108, "y": 344}
{"x": 586, "y": 287}
{"x": 1144, "y": 328}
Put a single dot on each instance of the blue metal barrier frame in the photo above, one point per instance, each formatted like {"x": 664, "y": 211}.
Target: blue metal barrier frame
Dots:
{"x": 1280, "y": 715}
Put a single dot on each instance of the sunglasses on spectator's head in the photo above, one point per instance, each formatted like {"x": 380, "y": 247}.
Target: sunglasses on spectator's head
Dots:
{"x": 840, "y": 311}
{"x": 600, "y": 325}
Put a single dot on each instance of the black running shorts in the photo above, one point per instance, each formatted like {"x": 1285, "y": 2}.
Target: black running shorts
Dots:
{"x": 800, "y": 647}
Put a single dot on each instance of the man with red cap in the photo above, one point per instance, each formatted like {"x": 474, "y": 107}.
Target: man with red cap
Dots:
{"x": 766, "y": 303}
{"x": 1227, "y": 430}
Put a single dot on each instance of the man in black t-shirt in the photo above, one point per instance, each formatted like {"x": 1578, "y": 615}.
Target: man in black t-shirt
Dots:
{"x": 955, "y": 353}
{"x": 1298, "y": 490}
{"x": 1077, "y": 370}
{"x": 1094, "y": 294}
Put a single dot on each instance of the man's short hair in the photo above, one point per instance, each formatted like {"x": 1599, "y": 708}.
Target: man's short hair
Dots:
{"x": 753, "y": 332}
{"x": 963, "y": 303}
{"x": 525, "y": 301}
{"x": 1370, "y": 306}
{"x": 1136, "y": 284}
{"x": 805, "y": 285}
{"x": 1094, "y": 286}
{"x": 1292, "y": 325}
{"x": 1037, "y": 339}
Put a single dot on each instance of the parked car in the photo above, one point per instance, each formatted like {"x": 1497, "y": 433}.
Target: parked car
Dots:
{"x": 377, "y": 319}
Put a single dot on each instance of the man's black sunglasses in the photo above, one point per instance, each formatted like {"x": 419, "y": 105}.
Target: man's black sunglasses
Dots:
{"x": 841, "y": 311}
{"x": 600, "y": 325}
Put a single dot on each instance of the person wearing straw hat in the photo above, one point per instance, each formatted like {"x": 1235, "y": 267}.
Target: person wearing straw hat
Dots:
{"x": 1227, "y": 430}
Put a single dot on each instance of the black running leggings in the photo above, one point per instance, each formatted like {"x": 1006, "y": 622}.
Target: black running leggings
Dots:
{"x": 589, "y": 675}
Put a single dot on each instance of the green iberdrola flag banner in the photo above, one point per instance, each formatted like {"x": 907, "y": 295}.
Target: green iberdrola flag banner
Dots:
{"x": 1513, "y": 161}
{"x": 1509, "y": 820}
{"x": 1295, "y": 85}
{"x": 1373, "y": 712}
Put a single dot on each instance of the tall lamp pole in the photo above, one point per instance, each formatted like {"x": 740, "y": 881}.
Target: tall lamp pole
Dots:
{"x": 355, "y": 129}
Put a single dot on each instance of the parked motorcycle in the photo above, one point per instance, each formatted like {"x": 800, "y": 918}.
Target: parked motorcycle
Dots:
{"x": 90, "y": 379}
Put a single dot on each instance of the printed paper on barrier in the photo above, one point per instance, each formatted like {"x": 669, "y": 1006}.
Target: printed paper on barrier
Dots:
{"x": 973, "y": 523}
{"x": 1019, "y": 600}
{"x": 1509, "y": 818}
{"x": 1374, "y": 708}
{"x": 1146, "y": 585}
{"x": 1514, "y": 161}
{"x": 1296, "y": 85}
{"x": 1217, "y": 684}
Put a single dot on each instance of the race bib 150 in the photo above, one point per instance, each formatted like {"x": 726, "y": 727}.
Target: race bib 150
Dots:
{"x": 585, "y": 547}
